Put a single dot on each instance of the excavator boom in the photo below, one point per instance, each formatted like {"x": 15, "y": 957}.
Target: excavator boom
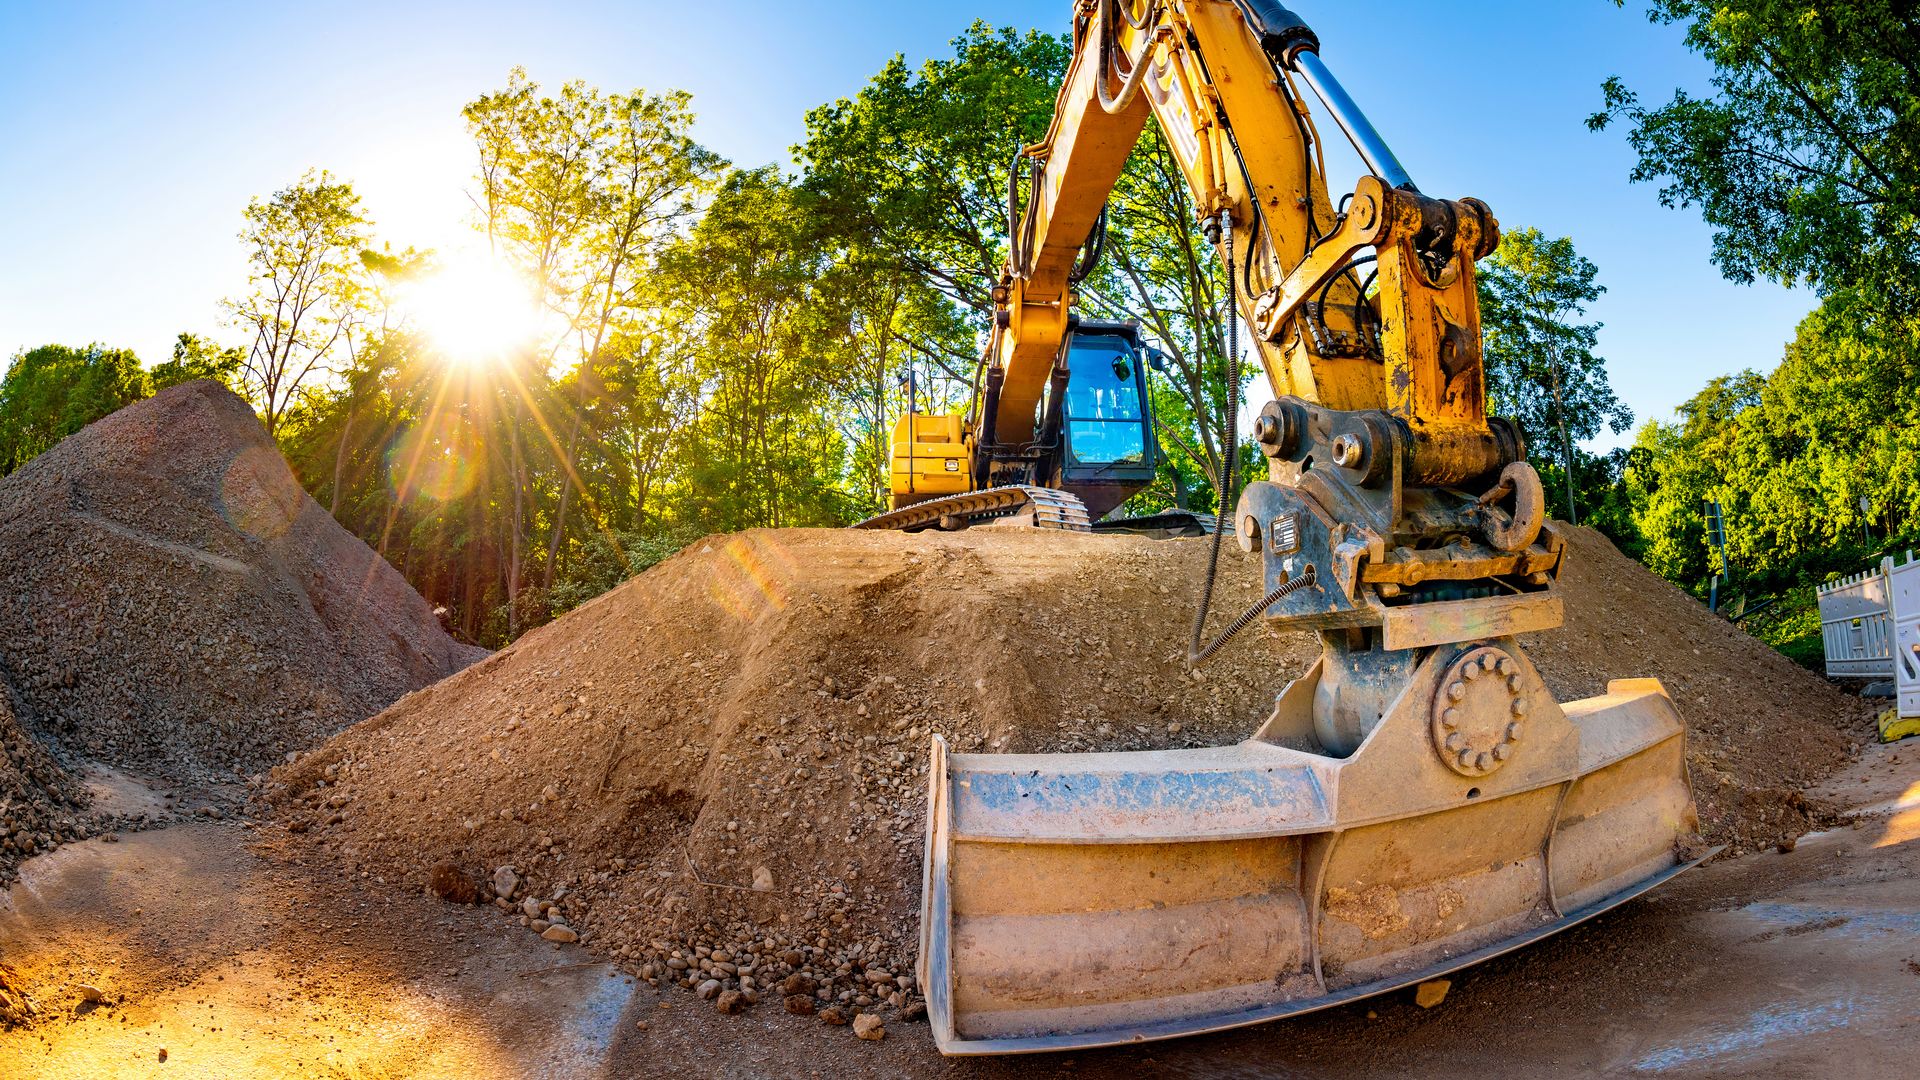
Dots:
{"x": 1418, "y": 800}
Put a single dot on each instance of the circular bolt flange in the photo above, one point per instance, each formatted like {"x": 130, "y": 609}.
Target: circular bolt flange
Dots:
{"x": 1477, "y": 723}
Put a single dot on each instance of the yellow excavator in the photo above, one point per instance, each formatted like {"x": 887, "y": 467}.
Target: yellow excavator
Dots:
{"x": 1418, "y": 800}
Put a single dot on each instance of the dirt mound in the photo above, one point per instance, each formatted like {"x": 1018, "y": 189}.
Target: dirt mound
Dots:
{"x": 1760, "y": 728}
{"x": 719, "y": 766}
{"x": 172, "y": 602}
{"x": 40, "y": 804}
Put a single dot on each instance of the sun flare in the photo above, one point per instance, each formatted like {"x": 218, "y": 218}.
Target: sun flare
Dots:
{"x": 475, "y": 312}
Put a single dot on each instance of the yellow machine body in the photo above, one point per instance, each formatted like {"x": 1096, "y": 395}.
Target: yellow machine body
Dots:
{"x": 1418, "y": 800}
{"x": 929, "y": 458}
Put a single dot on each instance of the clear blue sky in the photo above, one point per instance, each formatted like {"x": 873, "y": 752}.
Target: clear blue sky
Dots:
{"x": 131, "y": 136}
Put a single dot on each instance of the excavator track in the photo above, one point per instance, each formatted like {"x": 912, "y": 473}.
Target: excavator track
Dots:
{"x": 1050, "y": 509}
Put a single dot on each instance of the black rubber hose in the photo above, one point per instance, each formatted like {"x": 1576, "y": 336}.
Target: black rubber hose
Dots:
{"x": 1228, "y": 469}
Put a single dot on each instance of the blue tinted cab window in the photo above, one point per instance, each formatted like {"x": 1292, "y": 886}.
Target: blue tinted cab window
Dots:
{"x": 1103, "y": 402}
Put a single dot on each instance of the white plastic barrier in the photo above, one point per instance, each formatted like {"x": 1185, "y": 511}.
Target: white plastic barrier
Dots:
{"x": 1904, "y": 585}
{"x": 1857, "y": 624}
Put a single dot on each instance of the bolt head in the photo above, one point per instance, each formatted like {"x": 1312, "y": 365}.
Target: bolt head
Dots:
{"x": 1456, "y": 690}
{"x": 1513, "y": 731}
{"x": 1482, "y": 760}
{"x": 1519, "y": 706}
{"x": 1456, "y": 743}
{"x": 1501, "y": 752}
{"x": 1450, "y": 718}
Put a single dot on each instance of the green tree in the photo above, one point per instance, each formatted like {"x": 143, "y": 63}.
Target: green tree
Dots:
{"x": 51, "y": 392}
{"x": 1541, "y": 369}
{"x": 1160, "y": 271}
{"x": 580, "y": 192}
{"x": 762, "y": 453}
{"x": 196, "y": 357}
{"x": 1805, "y": 158}
{"x": 306, "y": 290}
{"x": 1816, "y": 465}
{"x": 914, "y": 170}
{"x": 915, "y": 164}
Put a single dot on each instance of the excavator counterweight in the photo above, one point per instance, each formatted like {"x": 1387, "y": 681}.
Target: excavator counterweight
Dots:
{"x": 1418, "y": 800}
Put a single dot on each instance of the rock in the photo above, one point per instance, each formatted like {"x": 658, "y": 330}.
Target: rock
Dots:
{"x": 452, "y": 884}
{"x": 762, "y": 879}
{"x": 833, "y": 1015}
{"x": 641, "y": 1025}
{"x": 793, "y": 958}
{"x": 868, "y": 1027}
{"x": 709, "y": 990}
{"x": 163, "y": 1053}
{"x": 560, "y": 932}
{"x": 91, "y": 994}
{"x": 1432, "y": 992}
{"x": 797, "y": 983}
{"x": 505, "y": 881}
{"x": 530, "y": 907}
{"x": 877, "y": 977}
{"x": 730, "y": 1002}
{"x": 914, "y": 1010}
{"x": 800, "y": 1004}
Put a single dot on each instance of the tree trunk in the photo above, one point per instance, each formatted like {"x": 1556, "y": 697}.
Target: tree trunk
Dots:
{"x": 566, "y": 488}
{"x": 340, "y": 465}
{"x": 1566, "y": 442}
{"x": 517, "y": 526}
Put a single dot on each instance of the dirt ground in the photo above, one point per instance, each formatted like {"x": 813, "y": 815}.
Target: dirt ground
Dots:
{"x": 243, "y": 958}
{"x": 727, "y": 753}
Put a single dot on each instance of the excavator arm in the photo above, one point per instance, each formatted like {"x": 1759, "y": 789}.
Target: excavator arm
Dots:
{"x": 1385, "y": 382}
{"x": 1418, "y": 800}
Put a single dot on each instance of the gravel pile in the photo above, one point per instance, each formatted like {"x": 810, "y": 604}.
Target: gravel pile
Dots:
{"x": 41, "y": 805}
{"x": 172, "y": 602}
{"x": 715, "y": 774}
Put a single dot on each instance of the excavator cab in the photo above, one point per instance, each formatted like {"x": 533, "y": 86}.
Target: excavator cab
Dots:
{"x": 1108, "y": 450}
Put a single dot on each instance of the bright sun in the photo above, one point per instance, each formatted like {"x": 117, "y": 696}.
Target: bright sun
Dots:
{"x": 476, "y": 312}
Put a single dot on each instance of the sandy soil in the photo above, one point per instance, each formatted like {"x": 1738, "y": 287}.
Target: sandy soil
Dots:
{"x": 727, "y": 753}
{"x": 241, "y": 960}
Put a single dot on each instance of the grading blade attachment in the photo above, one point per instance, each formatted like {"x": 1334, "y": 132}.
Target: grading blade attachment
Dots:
{"x": 1081, "y": 900}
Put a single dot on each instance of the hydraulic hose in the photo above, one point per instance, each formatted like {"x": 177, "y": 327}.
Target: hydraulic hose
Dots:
{"x": 1246, "y": 618}
{"x": 1196, "y": 654}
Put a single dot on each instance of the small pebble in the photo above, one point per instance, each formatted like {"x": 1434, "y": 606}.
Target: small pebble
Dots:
{"x": 1432, "y": 992}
